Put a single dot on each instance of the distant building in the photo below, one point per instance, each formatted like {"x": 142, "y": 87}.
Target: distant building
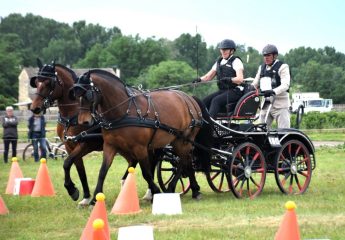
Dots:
{"x": 26, "y": 92}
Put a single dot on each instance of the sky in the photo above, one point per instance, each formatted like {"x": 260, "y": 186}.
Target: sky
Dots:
{"x": 287, "y": 24}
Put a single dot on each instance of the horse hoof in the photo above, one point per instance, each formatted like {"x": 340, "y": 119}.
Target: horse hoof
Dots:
{"x": 84, "y": 203}
{"x": 198, "y": 197}
{"x": 75, "y": 195}
{"x": 148, "y": 195}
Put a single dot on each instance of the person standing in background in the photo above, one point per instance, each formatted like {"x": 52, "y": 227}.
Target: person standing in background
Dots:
{"x": 37, "y": 133}
{"x": 10, "y": 134}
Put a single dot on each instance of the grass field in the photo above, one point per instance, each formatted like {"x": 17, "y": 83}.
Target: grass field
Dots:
{"x": 320, "y": 211}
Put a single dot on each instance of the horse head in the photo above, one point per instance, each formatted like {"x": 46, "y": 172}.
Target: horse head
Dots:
{"x": 49, "y": 82}
{"x": 89, "y": 98}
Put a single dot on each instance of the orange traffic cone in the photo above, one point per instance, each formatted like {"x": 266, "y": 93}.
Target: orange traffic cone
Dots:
{"x": 99, "y": 211}
{"x": 127, "y": 202}
{"x": 43, "y": 185}
{"x": 98, "y": 230}
{"x": 3, "y": 208}
{"x": 15, "y": 172}
{"x": 288, "y": 229}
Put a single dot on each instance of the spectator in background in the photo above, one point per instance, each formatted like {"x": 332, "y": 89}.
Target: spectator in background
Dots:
{"x": 37, "y": 133}
{"x": 10, "y": 134}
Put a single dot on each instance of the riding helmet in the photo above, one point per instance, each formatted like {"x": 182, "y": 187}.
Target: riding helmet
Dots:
{"x": 227, "y": 44}
{"x": 270, "y": 49}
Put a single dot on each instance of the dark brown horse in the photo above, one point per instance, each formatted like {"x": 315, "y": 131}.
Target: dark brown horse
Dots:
{"x": 136, "y": 123}
{"x": 53, "y": 83}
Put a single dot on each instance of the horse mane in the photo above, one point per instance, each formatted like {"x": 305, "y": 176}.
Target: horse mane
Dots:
{"x": 74, "y": 75}
{"x": 107, "y": 75}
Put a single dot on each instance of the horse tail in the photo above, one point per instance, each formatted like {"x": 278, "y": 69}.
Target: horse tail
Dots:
{"x": 203, "y": 139}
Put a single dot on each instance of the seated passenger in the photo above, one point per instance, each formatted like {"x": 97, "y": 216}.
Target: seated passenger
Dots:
{"x": 229, "y": 71}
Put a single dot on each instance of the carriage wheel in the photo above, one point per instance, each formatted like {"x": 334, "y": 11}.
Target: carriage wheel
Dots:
{"x": 247, "y": 173}
{"x": 293, "y": 168}
{"x": 216, "y": 178}
{"x": 166, "y": 171}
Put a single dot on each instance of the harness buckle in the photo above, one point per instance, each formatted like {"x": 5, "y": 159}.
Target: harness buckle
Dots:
{"x": 83, "y": 133}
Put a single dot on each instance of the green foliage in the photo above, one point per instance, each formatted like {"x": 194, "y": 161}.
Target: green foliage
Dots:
{"x": 167, "y": 73}
{"x": 316, "y": 120}
{"x": 321, "y": 70}
{"x": 10, "y": 60}
{"x": 24, "y": 38}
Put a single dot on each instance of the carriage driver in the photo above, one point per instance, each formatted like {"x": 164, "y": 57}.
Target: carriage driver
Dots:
{"x": 273, "y": 77}
{"x": 229, "y": 71}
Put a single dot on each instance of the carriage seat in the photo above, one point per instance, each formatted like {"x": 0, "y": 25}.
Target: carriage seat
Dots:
{"x": 244, "y": 109}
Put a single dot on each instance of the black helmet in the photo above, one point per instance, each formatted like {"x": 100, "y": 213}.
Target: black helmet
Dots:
{"x": 269, "y": 49}
{"x": 227, "y": 44}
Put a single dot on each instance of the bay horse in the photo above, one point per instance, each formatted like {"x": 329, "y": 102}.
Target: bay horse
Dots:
{"x": 135, "y": 123}
{"x": 53, "y": 82}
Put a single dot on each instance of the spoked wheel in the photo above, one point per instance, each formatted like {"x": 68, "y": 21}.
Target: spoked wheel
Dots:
{"x": 247, "y": 173}
{"x": 28, "y": 153}
{"x": 216, "y": 177}
{"x": 293, "y": 168}
{"x": 166, "y": 171}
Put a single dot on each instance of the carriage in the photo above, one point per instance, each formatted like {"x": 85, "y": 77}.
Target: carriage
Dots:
{"x": 146, "y": 128}
{"x": 244, "y": 152}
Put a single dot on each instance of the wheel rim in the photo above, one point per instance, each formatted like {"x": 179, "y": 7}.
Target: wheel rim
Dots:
{"x": 60, "y": 152}
{"x": 166, "y": 172}
{"x": 247, "y": 172}
{"x": 216, "y": 178}
{"x": 293, "y": 168}
{"x": 28, "y": 154}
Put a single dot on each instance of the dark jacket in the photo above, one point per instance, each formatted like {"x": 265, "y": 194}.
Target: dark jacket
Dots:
{"x": 10, "y": 127}
{"x": 31, "y": 127}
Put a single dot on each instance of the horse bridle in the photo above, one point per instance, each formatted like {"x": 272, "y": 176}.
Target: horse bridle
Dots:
{"x": 91, "y": 94}
{"x": 53, "y": 80}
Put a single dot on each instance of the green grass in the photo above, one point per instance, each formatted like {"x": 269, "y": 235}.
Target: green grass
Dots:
{"x": 326, "y": 135}
{"x": 320, "y": 211}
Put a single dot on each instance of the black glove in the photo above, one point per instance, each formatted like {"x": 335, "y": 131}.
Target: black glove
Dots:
{"x": 196, "y": 80}
{"x": 269, "y": 93}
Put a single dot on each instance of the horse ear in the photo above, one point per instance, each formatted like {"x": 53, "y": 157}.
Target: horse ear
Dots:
{"x": 53, "y": 62}
{"x": 39, "y": 63}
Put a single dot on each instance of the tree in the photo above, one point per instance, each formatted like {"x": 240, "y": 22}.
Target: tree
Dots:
{"x": 191, "y": 49}
{"x": 167, "y": 73}
{"x": 10, "y": 62}
{"x": 89, "y": 35}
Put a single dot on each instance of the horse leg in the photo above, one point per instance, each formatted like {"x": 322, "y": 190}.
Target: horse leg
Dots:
{"x": 184, "y": 151}
{"x": 130, "y": 164}
{"x": 196, "y": 194}
{"x": 147, "y": 169}
{"x": 76, "y": 158}
{"x": 69, "y": 185}
{"x": 108, "y": 157}
{"x": 154, "y": 157}
{"x": 83, "y": 178}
